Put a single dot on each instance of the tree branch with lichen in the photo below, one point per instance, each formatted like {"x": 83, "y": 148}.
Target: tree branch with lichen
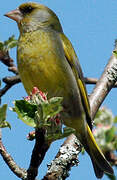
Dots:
{"x": 65, "y": 159}
{"x": 104, "y": 84}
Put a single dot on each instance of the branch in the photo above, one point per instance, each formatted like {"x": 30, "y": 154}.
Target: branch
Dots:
{"x": 6, "y": 59}
{"x": 92, "y": 81}
{"x": 104, "y": 85}
{"x": 39, "y": 151}
{"x": 13, "y": 69}
{"x": 19, "y": 172}
{"x": 40, "y": 148}
{"x": 64, "y": 160}
{"x": 10, "y": 81}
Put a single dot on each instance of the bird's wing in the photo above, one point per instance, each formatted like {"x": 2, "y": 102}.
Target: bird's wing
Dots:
{"x": 75, "y": 66}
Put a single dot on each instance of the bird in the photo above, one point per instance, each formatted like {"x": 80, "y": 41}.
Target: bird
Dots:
{"x": 47, "y": 60}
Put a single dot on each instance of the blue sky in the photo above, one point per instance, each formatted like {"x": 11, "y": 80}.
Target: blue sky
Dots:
{"x": 91, "y": 25}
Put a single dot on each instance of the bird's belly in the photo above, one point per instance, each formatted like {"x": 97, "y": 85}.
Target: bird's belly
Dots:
{"x": 48, "y": 76}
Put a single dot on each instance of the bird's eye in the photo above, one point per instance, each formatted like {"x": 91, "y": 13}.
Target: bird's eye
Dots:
{"x": 26, "y": 9}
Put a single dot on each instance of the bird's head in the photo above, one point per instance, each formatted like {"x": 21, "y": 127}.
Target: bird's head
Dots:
{"x": 32, "y": 16}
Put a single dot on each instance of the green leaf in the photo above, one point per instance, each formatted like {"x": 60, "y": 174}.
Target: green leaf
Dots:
{"x": 52, "y": 107}
{"x": 47, "y": 109}
{"x": 83, "y": 151}
{"x": 9, "y": 40}
{"x": 115, "y": 144}
{"x": 56, "y": 100}
{"x": 25, "y": 112}
{"x": 53, "y": 136}
{"x": 55, "y": 105}
{"x": 115, "y": 53}
{"x": 3, "y": 122}
{"x": 10, "y": 43}
{"x": 115, "y": 119}
{"x": 110, "y": 134}
{"x": 3, "y": 110}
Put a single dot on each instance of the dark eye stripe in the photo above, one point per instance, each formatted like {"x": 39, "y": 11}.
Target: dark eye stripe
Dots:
{"x": 26, "y": 9}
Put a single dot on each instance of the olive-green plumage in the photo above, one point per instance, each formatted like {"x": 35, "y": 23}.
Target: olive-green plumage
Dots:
{"x": 47, "y": 60}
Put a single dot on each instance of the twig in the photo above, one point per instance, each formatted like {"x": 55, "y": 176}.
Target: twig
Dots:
{"x": 13, "y": 69}
{"x": 10, "y": 81}
{"x": 6, "y": 59}
{"x": 19, "y": 172}
{"x": 92, "y": 81}
{"x": 39, "y": 151}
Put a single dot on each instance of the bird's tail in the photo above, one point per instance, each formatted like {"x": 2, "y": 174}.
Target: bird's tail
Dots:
{"x": 99, "y": 161}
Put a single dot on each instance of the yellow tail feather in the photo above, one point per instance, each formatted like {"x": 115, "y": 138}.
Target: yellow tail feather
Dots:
{"x": 99, "y": 161}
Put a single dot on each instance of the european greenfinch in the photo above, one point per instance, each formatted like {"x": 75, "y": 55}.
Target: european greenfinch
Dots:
{"x": 46, "y": 59}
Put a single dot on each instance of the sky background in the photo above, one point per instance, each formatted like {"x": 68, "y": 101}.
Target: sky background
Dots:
{"x": 91, "y": 25}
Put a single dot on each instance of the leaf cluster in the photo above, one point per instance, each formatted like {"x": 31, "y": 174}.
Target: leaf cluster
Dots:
{"x": 39, "y": 113}
{"x": 8, "y": 44}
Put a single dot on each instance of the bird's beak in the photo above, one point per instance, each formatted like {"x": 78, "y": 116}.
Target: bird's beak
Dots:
{"x": 15, "y": 15}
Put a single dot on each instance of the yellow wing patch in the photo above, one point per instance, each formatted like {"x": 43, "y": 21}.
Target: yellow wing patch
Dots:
{"x": 75, "y": 66}
{"x": 84, "y": 95}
